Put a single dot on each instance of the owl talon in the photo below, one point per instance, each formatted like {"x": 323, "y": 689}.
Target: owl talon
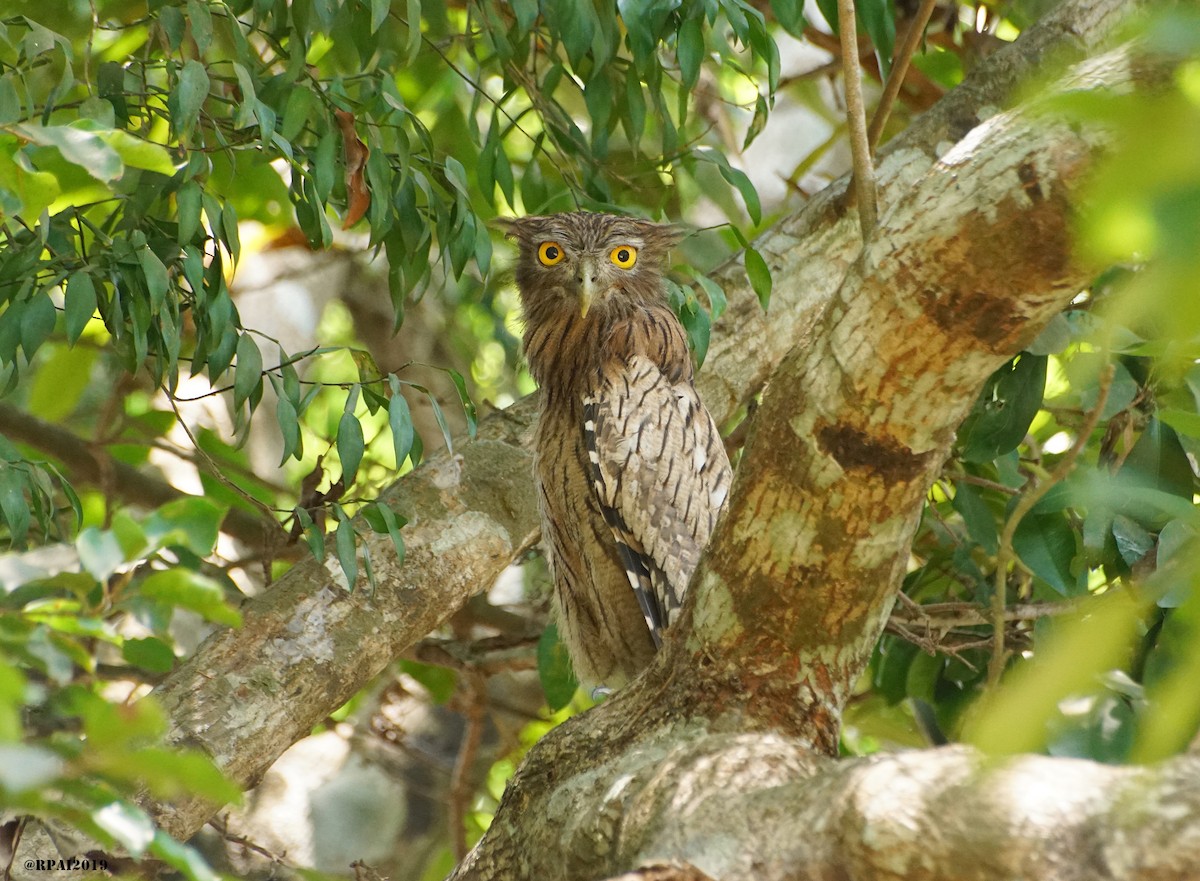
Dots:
{"x": 600, "y": 692}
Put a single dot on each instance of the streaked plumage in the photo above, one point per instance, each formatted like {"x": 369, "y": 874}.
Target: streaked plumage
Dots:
{"x": 630, "y": 467}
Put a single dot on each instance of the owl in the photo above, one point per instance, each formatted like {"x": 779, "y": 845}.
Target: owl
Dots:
{"x": 630, "y": 468}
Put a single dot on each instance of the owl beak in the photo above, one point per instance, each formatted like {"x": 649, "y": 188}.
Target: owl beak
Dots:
{"x": 586, "y": 295}
{"x": 587, "y": 289}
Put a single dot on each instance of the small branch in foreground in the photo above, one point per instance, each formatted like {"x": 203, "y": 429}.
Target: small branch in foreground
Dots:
{"x": 88, "y": 464}
{"x": 856, "y": 119}
{"x": 1024, "y": 505}
{"x": 895, "y": 80}
{"x": 474, "y": 709}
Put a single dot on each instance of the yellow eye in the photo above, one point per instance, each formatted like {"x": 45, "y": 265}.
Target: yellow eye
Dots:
{"x": 550, "y": 253}
{"x": 624, "y": 256}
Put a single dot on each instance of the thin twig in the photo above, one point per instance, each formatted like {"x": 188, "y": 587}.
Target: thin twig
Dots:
{"x": 856, "y": 120}
{"x": 1024, "y": 505}
{"x": 955, "y": 477}
{"x": 461, "y": 785}
{"x": 912, "y": 37}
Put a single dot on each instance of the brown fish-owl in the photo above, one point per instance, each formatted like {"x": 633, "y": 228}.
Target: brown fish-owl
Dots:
{"x": 630, "y": 468}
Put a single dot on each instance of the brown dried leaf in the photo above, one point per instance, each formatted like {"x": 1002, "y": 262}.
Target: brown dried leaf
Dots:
{"x": 358, "y": 196}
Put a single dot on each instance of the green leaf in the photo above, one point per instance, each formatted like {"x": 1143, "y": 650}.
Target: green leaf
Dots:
{"x": 438, "y": 681}
{"x": 99, "y": 552}
{"x": 172, "y": 23}
{"x": 61, "y": 381}
{"x": 790, "y": 15}
{"x": 554, "y": 670}
{"x": 157, "y": 282}
{"x": 349, "y": 445}
{"x": 37, "y": 323}
{"x": 129, "y": 826}
{"x": 879, "y": 21}
{"x": 26, "y": 767}
{"x": 401, "y": 424}
{"x": 1183, "y": 421}
{"x": 248, "y": 374}
{"x": 379, "y": 13}
{"x": 313, "y": 536}
{"x": 1159, "y": 461}
{"x": 34, "y": 190}
{"x": 200, "y": 22}
{"x": 149, "y": 653}
{"x": 743, "y": 184}
{"x": 759, "y": 275}
{"x": 412, "y": 17}
{"x": 10, "y": 102}
{"x": 457, "y": 175}
{"x": 393, "y": 522}
{"x": 468, "y": 405}
{"x": 289, "y": 428}
{"x": 383, "y": 519}
{"x": 346, "y": 549}
{"x": 183, "y": 858}
{"x": 190, "y": 590}
{"x": 79, "y": 147}
{"x": 187, "y": 98}
{"x": 193, "y": 523}
{"x": 79, "y": 304}
{"x": 717, "y": 302}
{"x": 1046, "y": 543}
{"x": 1133, "y": 542}
{"x": 1176, "y": 559}
{"x": 690, "y": 52}
{"x": 138, "y": 153}
{"x": 1005, "y": 409}
{"x": 13, "y": 505}
{"x": 697, "y": 324}
{"x": 978, "y": 517}
{"x": 634, "y": 119}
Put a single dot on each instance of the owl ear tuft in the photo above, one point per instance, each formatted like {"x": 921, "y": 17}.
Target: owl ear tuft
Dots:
{"x": 510, "y": 226}
{"x": 665, "y": 236}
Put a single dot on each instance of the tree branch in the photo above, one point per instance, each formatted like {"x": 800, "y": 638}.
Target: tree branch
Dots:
{"x": 759, "y": 807}
{"x": 856, "y": 121}
{"x": 903, "y": 55}
{"x": 90, "y": 466}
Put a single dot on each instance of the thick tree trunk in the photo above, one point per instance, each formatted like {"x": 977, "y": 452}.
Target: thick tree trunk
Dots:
{"x": 788, "y": 605}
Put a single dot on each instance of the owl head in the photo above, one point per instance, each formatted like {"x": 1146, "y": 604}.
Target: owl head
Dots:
{"x": 587, "y": 262}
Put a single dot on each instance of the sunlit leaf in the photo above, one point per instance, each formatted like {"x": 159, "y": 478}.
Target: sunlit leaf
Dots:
{"x": 148, "y": 653}
{"x": 79, "y": 147}
{"x": 191, "y": 590}
{"x": 128, "y": 825}
{"x": 554, "y": 670}
{"x": 346, "y": 547}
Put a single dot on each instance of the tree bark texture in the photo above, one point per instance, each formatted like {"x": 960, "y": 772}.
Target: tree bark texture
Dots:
{"x": 893, "y": 345}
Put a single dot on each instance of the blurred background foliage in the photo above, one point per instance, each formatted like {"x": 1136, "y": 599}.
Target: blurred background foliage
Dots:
{"x": 247, "y": 277}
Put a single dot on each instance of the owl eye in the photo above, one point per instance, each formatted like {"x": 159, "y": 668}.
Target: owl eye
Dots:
{"x": 550, "y": 253}
{"x": 624, "y": 256}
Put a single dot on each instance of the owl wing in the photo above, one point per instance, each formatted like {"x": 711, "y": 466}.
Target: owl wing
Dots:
{"x": 661, "y": 474}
